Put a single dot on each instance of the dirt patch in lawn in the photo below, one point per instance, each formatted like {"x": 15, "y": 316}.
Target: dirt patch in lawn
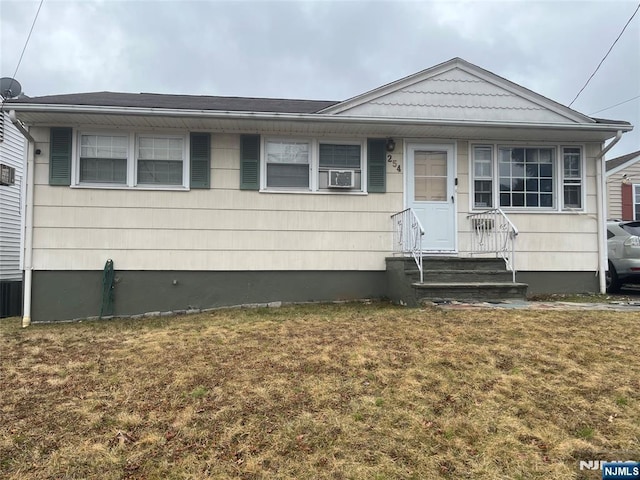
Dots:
{"x": 350, "y": 391}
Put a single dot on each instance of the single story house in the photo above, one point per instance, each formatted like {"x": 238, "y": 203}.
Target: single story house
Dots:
{"x": 203, "y": 201}
{"x": 623, "y": 187}
{"x": 12, "y": 160}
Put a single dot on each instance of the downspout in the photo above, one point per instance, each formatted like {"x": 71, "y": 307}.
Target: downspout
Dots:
{"x": 601, "y": 192}
{"x": 28, "y": 234}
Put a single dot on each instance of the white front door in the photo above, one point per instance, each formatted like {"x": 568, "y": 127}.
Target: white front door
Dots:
{"x": 431, "y": 194}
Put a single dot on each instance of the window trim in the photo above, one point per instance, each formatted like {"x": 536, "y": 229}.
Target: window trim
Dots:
{"x": 558, "y": 180}
{"x": 132, "y": 159}
{"x": 635, "y": 187}
{"x": 314, "y": 165}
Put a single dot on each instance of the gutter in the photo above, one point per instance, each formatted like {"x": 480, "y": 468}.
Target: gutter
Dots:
{"x": 601, "y": 215}
{"x": 28, "y": 245}
{"x": 303, "y": 117}
{"x": 18, "y": 124}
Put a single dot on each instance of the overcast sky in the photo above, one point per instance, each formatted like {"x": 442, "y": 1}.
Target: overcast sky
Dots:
{"x": 324, "y": 50}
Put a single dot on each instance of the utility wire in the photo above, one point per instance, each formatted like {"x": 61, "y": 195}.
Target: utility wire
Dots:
{"x": 33, "y": 24}
{"x": 605, "y": 57}
{"x": 621, "y": 103}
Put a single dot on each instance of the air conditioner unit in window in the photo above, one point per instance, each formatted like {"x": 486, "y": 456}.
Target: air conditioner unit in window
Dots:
{"x": 341, "y": 178}
{"x": 7, "y": 175}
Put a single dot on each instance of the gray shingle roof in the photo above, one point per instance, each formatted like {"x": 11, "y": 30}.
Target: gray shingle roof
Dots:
{"x": 187, "y": 102}
{"x": 616, "y": 162}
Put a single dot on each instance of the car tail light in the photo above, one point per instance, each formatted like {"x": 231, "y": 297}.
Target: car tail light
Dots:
{"x": 632, "y": 241}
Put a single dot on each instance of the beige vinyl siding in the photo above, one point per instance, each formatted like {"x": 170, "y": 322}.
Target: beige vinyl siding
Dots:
{"x": 12, "y": 150}
{"x": 222, "y": 228}
{"x": 558, "y": 241}
{"x": 614, "y": 188}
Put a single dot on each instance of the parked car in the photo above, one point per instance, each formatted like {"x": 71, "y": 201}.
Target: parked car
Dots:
{"x": 623, "y": 247}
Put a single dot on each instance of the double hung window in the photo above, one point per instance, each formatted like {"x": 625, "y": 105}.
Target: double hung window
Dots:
{"x": 339, "y": 158}
{"x": 288, "y": 163}
{"x": 483, "y": 176}
{"x": 572, "y": 177}
{"x": 103, "y": 158}
{"x": 160, "y": 160}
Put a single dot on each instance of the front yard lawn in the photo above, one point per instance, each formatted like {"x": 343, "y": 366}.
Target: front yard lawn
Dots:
{"x": 349, "y": 391}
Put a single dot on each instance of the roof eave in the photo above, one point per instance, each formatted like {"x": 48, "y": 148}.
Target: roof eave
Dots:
{"x": 311, "y": 117}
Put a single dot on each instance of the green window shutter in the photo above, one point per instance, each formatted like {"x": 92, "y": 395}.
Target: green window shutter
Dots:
{"x": 376, "y": 165}
{"x": 249, "y": 162}
{"x": 200, "y": 160}
{"x": 60, "y": 156}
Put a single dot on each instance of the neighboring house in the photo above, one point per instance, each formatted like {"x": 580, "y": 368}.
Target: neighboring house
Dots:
{"x": 209, "y": 201}
{"x": 12, "y": 152}
{"x": 623, "y": 187}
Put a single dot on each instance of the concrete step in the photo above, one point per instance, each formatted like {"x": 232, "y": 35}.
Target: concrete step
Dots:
{"x": 456, "y": 275}
{"x": 452, "y": 263}
{"x": 468, "y": 291}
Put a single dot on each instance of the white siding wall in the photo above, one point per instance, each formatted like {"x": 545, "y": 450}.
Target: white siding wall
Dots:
{"x": 614, "y": 189}
{"x": 559, "y": 241}
{"x": 227, "y": 229}
{"x": 218, "y": 229}
{"x": 12, "y": 150}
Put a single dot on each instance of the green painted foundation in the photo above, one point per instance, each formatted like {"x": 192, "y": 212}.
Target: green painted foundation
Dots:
{"x": 559, "y": 282}
{"x": 68, "y": 295}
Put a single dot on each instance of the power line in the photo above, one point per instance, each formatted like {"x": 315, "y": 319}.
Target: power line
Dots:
{"x": 33, "y": 24}
{"x": 621, "y": 103}
{"x": 605, "y": 57}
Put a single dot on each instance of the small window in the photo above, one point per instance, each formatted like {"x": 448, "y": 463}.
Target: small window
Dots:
{"x": 482, "y": 177}
{"x": 103, "y": 158}
{"x": 7, "y": 175}
{"x": 287, "y": 163}
{"x": 572, "y": 177}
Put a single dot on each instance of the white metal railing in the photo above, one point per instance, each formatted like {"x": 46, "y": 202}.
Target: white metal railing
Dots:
{"x": 493, "y": 232}
{"x": 407, "y": 236}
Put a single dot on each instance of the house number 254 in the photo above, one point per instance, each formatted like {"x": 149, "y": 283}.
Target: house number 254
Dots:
{"x": 394, "y": 162}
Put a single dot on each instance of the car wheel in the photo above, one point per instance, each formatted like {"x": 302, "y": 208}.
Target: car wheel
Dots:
{"x": 612, "y": 280}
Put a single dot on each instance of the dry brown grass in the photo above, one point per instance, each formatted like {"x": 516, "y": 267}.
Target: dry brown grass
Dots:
{"x": 310, "y": 392}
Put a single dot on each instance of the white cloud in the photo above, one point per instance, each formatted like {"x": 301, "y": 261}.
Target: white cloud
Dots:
{"x": 323, "y": 50}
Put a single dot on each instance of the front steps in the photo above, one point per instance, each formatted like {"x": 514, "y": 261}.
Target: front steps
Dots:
{"x": 451, "y": 279}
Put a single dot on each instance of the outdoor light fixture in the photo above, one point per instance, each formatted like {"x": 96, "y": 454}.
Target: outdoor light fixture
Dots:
{"x": 391, "y": 144}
